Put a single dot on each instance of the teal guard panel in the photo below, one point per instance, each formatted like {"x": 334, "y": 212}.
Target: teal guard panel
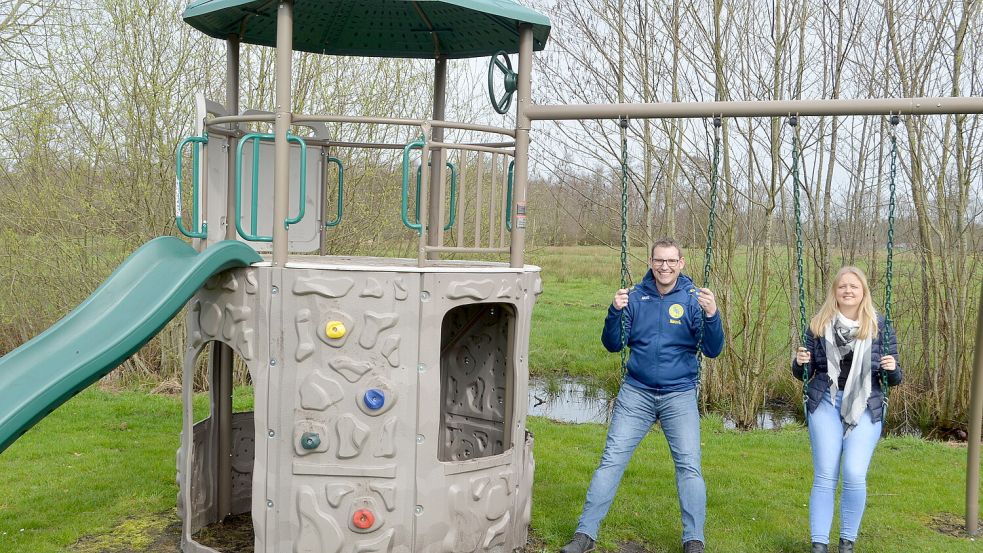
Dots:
{"x": 122, "y": 315}
{"x": 377, "y": 28}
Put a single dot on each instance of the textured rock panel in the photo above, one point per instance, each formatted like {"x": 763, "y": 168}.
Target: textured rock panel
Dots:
{"x": 387, "y": 439}
{"x": 337, "y": 492}
{"x": 351, "y": 436}
{"x": 375, "y": 324}
{"x": 390, "y": 350}
{"x": 372, "y": 289}
{"x": 324, "y": 287}
{"x": 235, "y": 316}
{"x": 318, "y": 531}
{"x": 383, "y": 544}
{"x": 305, "y": 345}
{"x": 387, "y": 492}
{"x": 399, "y": 289}
{"x": 319, "y": 392}
{"x": 349, "y": 368}
{"x": 473, "y": 289}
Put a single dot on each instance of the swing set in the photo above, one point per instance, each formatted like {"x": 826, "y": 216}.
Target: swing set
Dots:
{"x": 793, "y": 110}
{"x": 792, "y": 122}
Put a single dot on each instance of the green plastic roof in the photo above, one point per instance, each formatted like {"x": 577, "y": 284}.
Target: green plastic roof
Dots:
{"x": 378, "y": 28}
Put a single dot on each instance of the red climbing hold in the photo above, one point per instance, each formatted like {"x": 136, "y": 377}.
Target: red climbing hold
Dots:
{"x": 363, "y": 519}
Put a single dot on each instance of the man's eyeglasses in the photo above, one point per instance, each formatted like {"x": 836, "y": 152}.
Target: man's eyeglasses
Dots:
{"x": 671, "y": 263}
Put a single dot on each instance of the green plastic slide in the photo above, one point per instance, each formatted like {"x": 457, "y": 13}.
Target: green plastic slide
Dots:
{"x": 122, "y": 315}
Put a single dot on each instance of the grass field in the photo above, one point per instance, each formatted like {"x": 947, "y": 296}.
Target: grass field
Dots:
{"x": 105, "y": 460}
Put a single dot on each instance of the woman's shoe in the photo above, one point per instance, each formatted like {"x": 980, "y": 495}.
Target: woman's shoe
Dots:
{"x": 819, "y": 547}
{"x": 846, "y": 546}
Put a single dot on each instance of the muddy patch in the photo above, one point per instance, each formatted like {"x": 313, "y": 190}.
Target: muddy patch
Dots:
{"x": 161, "y": 533}
{"x": 950, "y": 525}
{"x": 157, "y": 533}
{"x": 234, "y": 535}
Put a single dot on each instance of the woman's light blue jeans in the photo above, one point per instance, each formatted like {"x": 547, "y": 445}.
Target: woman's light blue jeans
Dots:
{"x": 635, "y": 411}
{"x": 831, "y": 452}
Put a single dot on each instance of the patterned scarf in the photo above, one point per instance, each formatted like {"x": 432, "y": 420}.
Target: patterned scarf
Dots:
{"x": 841, "y": 339}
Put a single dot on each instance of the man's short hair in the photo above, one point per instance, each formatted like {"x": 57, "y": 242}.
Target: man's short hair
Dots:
{"x": 666, "y": 243}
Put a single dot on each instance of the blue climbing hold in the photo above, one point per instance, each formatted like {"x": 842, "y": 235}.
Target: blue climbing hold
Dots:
{"x": 374, "y": 399}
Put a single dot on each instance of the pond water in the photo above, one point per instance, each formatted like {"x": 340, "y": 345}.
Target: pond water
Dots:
{"x": 569, "y": 400}
{"x": 767, "y": 420}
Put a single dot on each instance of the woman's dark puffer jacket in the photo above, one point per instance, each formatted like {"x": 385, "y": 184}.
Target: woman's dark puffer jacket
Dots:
{"x": 882, "y": 344}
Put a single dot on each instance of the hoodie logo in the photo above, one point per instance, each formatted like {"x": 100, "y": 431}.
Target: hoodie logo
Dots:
{"x": 676, "y": 311}
{"x": 646, "y": 298}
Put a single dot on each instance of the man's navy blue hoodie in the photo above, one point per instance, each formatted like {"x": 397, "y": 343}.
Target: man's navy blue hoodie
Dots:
{"x": 662, "y": 335}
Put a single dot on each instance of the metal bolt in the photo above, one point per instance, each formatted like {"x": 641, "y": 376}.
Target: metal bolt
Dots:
{"x": 418, "y": 510}
{"x": 425, "y": 296}
{"x": 275, "y": 290}
{"x": 269, "y": 503}
{"x": 421, "y": 368}
{"x": 419, "y": 438}
{"x": 272, "y": 433}
{"x": 272, "y": 362}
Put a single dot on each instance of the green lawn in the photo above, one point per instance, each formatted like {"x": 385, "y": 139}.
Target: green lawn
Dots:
{"x": 104, "y": 457}
{"x": 758, "y": 487}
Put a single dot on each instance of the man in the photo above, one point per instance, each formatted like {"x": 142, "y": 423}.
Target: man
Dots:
{"x": 663, "y": 315}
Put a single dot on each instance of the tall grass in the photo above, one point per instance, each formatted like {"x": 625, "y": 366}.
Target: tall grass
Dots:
{"x": 579, "y": 283}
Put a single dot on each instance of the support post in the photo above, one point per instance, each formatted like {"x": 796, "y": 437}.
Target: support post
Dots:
{"x": 232, "y": 104}
{"x": 221, "y": 358}
{"x": 221, "y": 361}
{"x": 522, "y": 125}
{"x": 281, "y": 164}
{"x": 975, "y": 426}
{"x": 436, "y": 196}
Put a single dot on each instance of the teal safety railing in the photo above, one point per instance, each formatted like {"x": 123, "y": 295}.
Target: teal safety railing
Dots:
{"x": 341, "y": 192}
{"x": 405, "y": 204}
{"x": 419, "y": 185}
{"x": 416, "y": 225}
{"x": 508, "y": 198}
{"x": 196, "y": 232}
{"x": 254, "y": 200}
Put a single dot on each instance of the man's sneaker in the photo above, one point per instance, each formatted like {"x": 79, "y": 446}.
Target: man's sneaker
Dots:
{"x": 693, "y": 546}
{"x": 581, "y": 543}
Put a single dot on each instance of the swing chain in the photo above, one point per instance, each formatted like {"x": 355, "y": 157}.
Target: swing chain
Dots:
{"x": 889, "y": 272}
{"x": 625, "y": 274}
{"x": 714, "y": 176}
{"x": 793, "y": 122}
{"x": 708, "y": 254}
{"x": 890, "y": 219}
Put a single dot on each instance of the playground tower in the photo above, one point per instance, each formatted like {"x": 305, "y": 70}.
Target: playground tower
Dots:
{"x": 390, "y": 394}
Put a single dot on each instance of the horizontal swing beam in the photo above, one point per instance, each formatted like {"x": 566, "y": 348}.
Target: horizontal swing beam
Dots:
{"x": 768, "y": 108}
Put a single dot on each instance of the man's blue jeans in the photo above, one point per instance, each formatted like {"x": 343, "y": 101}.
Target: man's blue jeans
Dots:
{"x": 831, "y": 454}
{"x": 635, "y": 411}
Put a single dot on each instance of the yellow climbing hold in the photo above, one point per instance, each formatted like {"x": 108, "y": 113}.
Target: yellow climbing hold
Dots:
{"x": 335, "y": 329}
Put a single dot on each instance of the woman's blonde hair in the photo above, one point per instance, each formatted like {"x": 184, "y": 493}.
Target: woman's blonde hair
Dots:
{"x": 867, "y": 316}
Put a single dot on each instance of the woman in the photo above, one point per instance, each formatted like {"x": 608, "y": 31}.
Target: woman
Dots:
{"x": 847, "y": 351}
